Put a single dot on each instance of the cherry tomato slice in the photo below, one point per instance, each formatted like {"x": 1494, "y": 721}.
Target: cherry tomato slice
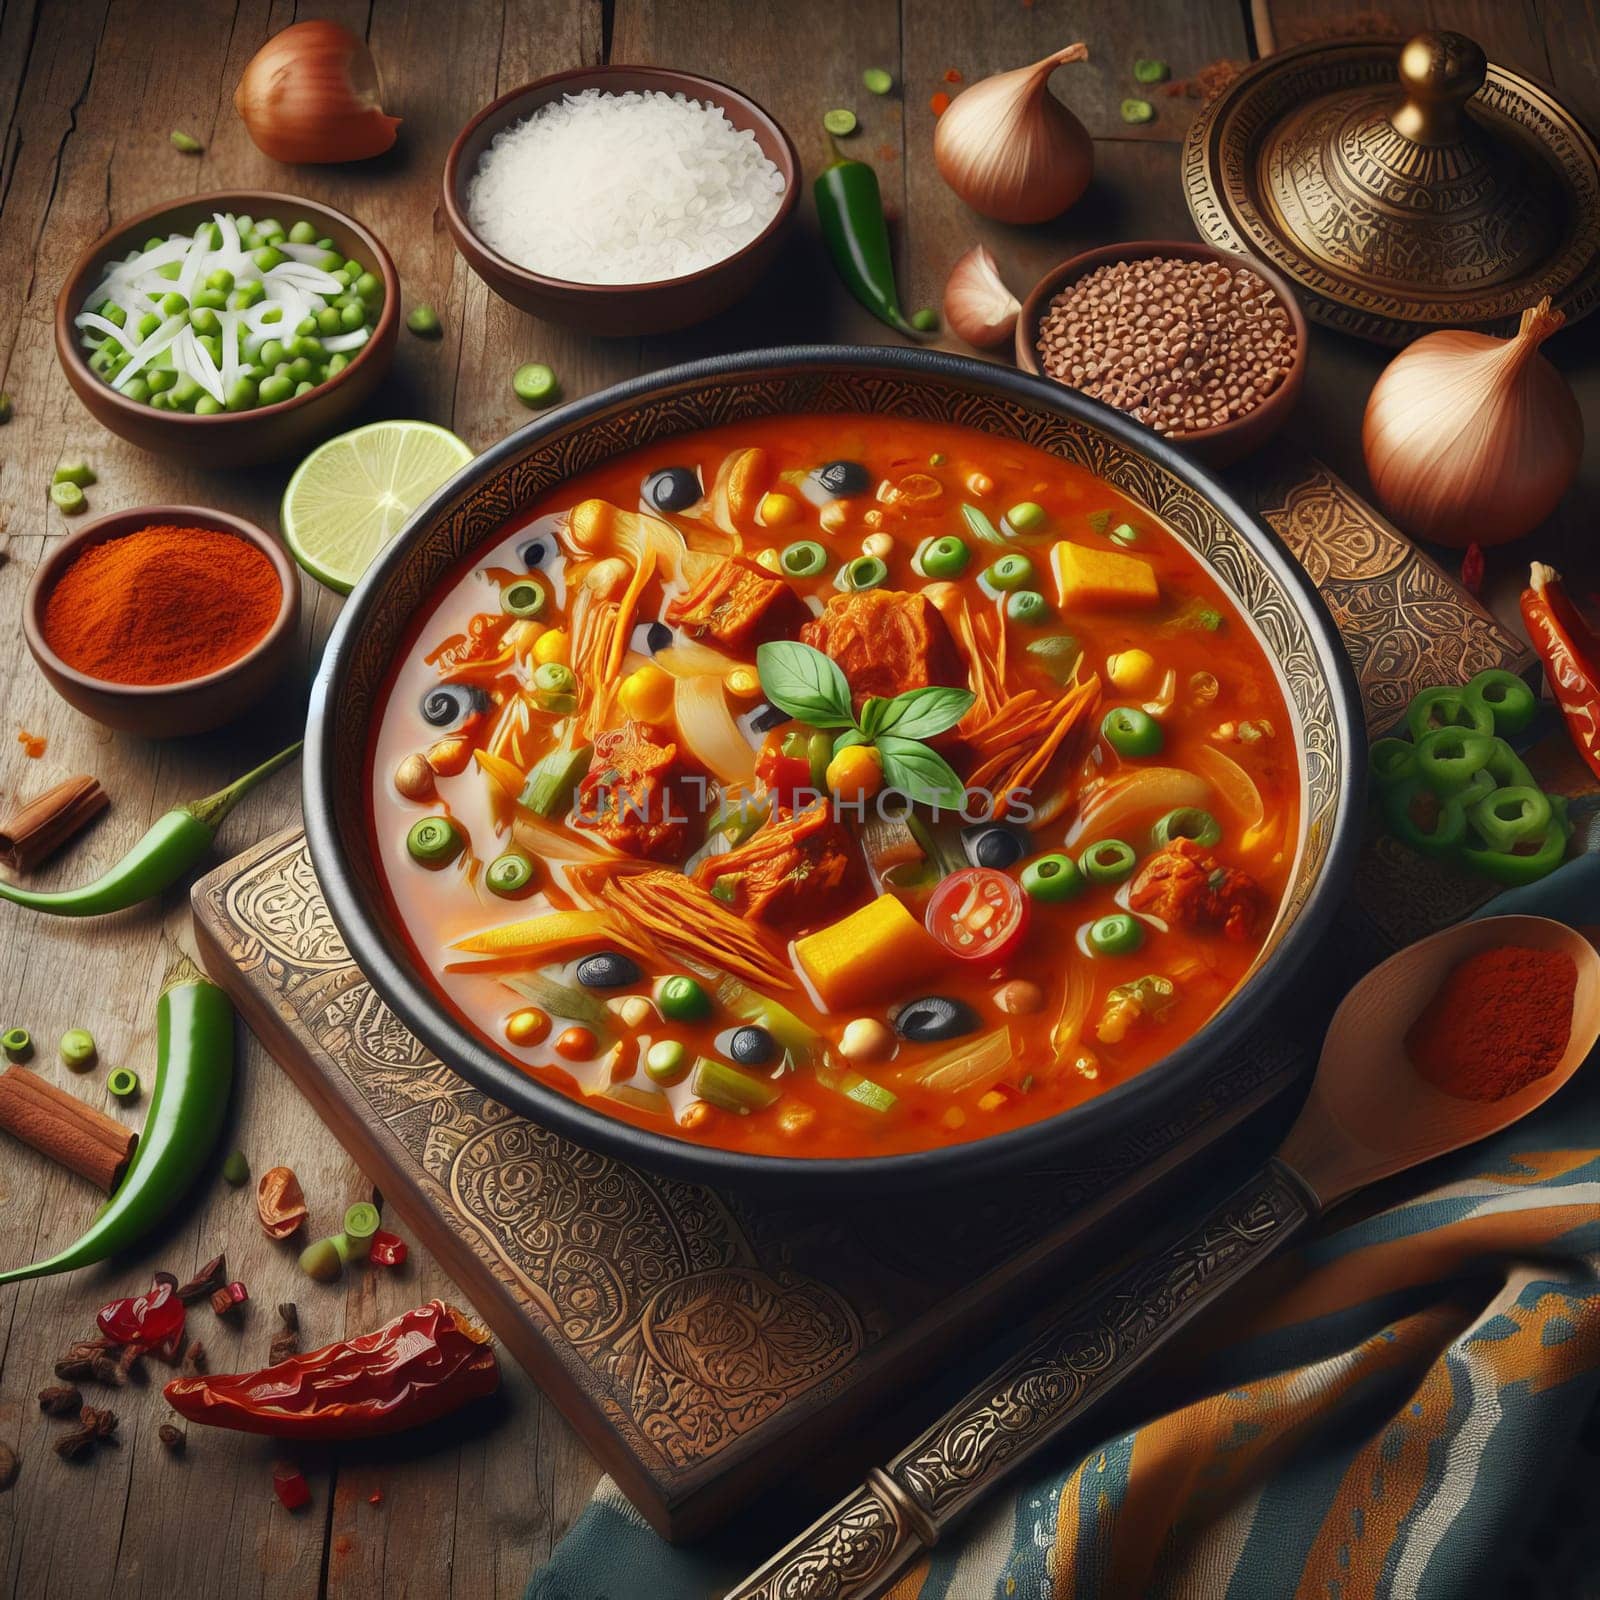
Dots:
{"x": 978, "y": 914}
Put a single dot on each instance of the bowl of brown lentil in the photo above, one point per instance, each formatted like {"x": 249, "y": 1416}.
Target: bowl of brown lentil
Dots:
{"x": 1205, "y": 347}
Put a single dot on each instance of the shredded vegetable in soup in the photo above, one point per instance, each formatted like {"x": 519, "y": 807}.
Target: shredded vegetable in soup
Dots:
{"x": 834, "y": 786}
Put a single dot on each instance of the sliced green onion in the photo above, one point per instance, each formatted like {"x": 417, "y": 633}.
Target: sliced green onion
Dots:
{"x": 535, "y": 384}
{"x": 423, "y": 321}
{"x": 78, "y": 1049}
{"x": 123, "y": 1084}
{"x": 524, "y": 598}
{"x": 925, "y": 320}
{"x": 877, "y": 80}
{"x": 1150, "y": 70}
{"x": 78, "y": 472}
{"x": 1138, "y": 111}
{"x": 434, "y": 842}
{"x": 840, "y": 122}
{"x": 236, "y": 1170}
{"x": 17, "y": 1044}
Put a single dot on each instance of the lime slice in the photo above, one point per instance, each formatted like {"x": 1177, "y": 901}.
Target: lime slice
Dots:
{"x": 352, "y": 495}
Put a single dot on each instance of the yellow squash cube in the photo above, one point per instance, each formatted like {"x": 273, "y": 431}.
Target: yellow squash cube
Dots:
{"x": 1102, "y": 580}
{"x": 875, "y": 951}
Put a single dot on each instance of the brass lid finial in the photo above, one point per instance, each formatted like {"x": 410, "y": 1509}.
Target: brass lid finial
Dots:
{"x": 1440, "y": 72}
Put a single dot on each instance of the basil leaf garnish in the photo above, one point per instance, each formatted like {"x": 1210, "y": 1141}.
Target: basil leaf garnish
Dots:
{"x": 804, "y": 683}
{"x": 920, "y": 774}
{"x": 923, "y": 713}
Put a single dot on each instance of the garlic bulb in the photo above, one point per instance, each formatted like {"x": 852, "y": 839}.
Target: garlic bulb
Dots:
{"x": 311, "y": 93}
{"x": 1473, "y": 439}
{"x": 977, "y": 305}
{"x": 1010, "y": 149}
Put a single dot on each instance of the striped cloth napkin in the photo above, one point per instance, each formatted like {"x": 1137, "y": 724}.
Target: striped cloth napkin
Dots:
{"x": 1405, "y": 1407}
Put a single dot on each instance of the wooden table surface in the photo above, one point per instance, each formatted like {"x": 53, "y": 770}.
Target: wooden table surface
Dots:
{"x": 88, "y": 94}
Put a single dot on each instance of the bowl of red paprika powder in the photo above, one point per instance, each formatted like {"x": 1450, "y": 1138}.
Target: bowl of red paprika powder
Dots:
{"x": 163, "y": 620}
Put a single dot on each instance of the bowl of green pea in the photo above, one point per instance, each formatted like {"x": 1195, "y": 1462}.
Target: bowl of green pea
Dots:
{"x": 230, "y": 328}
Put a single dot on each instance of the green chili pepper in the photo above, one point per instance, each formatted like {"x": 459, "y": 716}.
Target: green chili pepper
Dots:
{"x": 1516, "y": 868}
{"x": 1446, "y": 707}
{"x": 194, "y": 1074}
{"x": 173, "y": 844}
{"x": 1508, "y": 817}
{"x": 1392, "y": 761}
{"x": 1443, "y": 838}
{"x": 1504, "y": 697}
{"x": 1447, "y": 758}
{"x": 1507, "y": 769}
{"x": 850, "y": 211}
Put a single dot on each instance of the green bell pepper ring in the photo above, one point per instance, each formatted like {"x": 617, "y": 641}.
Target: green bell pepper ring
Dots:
{"x": 1448, "y": 758}
{"x": 194, "y": 1076}
{"x": 1509, "y": 701}
{"x": 1507, "y": 768}
{"x": 1446, "y": 707}
{"x": 174, "y": 843}
{"x": 850, "y": 212}
{"x": 1392, "y": 761}
{"x": 1517, "y": 868}
{"x": 1508, "y": 817}
{"x": 1442, "y": 838}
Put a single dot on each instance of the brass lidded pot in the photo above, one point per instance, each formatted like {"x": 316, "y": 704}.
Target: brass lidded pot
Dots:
{"x": 1402, "y": 186}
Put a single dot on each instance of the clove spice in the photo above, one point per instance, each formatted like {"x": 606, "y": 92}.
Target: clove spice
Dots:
{"x": 38, "y": 828}
{"x": 60, "y": 1400}
{"x": 94, "y": 1426}
{"x": 286, "y": 1342}
{"x": 211, "y": 1277}
{"x": 173, "y": 1438}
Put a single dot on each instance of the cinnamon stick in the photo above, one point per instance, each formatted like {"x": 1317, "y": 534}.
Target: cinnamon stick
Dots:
{"x": 59, "y": 1125}
{"x": 39, "y": 828}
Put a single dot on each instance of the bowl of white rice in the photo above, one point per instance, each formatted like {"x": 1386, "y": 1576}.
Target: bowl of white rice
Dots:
{"x": 621, "y": 200}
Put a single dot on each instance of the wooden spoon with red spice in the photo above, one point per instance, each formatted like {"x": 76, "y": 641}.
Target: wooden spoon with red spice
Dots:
{"x": 1370, "y": 1114}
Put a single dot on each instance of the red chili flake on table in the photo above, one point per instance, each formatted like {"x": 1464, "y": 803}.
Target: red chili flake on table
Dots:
{"x": 290, "y": 1486}
{"x": 145, "y": 1320}
{"x": 388, "y": 1249}
{"x": 940, "y": 103}
{"x": 375, "y": 1498}
{"x": 33, "y": 744}
{"x": 952, "y": 75}
{"x": 1472, "y": 569}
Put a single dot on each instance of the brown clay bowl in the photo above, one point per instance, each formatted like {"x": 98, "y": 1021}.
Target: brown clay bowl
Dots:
{"x": 617, "y": 309}
{"x": 236, "y": 438}
{"x": 165, "y": 710}
{"x": 1214, "y": 447}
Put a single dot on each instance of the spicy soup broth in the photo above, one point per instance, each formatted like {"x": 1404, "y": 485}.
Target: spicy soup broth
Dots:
{"x": 626, "y": 865}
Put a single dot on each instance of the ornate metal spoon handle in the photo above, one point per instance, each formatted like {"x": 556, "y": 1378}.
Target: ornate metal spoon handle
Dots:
{"x": 1103, "y": 1335}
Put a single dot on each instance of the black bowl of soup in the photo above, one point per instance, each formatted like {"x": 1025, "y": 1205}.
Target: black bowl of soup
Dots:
{"x": 831, "y": 765}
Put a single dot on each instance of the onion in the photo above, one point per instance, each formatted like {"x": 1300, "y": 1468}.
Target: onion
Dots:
{"x": 311, "y": 93}
{"x": 977, "y": 305}
{"x": 1471, "y": 439}
{"x": 1010, "y": 149}
{"x": 1146, "y": 790}
{"x": 709, "y": 731}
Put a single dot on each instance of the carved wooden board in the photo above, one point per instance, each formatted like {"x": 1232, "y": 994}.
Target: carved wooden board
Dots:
{"x": 699, "y": 1339}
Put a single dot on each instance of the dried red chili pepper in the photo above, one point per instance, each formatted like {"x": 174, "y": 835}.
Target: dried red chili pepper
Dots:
{"x": 290, "y": 1486}
{"x": 145, "y": 1320}
{"x": 280, "y": 1202}
{"x": 388, "y": 1249}
{"x": 1473, "y": 567}
{"x": 1570, "y": 650}
{"x": 421, "y": 1366}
